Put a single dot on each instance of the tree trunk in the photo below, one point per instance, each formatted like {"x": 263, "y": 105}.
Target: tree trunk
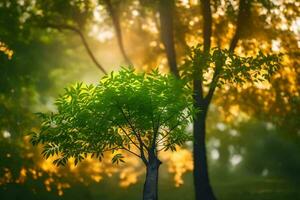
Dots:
{"x": 151, "y": 182}
{"x": 203, "y": 190}
{"x": 166, "y": 9}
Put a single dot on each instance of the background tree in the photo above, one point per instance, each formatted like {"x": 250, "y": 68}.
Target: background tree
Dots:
{"x": 44, "y": 59}
{"x": 228, "y": 69}
{"x": 138, "y": 113}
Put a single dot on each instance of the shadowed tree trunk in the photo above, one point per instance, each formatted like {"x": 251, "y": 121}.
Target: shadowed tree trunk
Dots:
{"x": 202, "y": 186}
{"x": 151, "y": 183}
{"x": 242, "y": 21}
{"x": 166, "y": 13}
{"x": 203, "y": 189}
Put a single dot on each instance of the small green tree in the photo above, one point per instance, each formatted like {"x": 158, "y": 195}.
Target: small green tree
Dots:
{"x": 138, "y": 113}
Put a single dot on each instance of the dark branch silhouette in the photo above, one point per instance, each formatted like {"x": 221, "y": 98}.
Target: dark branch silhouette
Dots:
{"x": 203, "y": 189}
{"x": 116, "y": 23}
{"x": 243, "y": 16}
{"x": 166, "y": 13}
{"x": 82, "y": 37}
{"x": 207, "y": 23}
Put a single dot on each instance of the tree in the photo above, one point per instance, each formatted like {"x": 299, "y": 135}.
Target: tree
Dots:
{"x": 265, "y": 22}
{"x": 226, "y": 67}
{"x": 141, "y": 114}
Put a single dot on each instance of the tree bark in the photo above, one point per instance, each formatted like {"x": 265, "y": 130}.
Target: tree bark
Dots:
{"x": 150, "y": 191}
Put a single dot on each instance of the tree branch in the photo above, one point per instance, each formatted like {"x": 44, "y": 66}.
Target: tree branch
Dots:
{"x": 243, "y": 16}
{"x": 116, "y": 23}
{"x": 134, "y": 131}
{"x": 128, "y": 136}
{"x": 84, "y": 41}
{"x": 207, "y": 24}
{"x": 213, "y": 85}
{"x": 166, "y": 9}
{"x": 170, "y": 130}
{"x": 123, "y": 148}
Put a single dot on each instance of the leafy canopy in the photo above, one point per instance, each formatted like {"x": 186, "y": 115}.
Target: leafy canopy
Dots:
{"x": 136, "y": 112}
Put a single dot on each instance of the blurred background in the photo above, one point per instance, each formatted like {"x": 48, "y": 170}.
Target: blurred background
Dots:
{"x": 253, "y": 130}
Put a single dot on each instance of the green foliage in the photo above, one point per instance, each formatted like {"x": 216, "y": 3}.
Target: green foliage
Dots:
{"x": 125, "y": 110}
{"x": 229, "y": 67}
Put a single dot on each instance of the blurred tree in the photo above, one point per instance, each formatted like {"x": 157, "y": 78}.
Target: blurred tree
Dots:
{"x": 228, "y": 69}
{"x": 244, "y": 26}
{"x": 138, "y": 113}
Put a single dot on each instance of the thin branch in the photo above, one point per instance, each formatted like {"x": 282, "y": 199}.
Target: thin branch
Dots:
{"x": 84, "y": 41}
{"x": 133, "y": 129}
{"x": 111, "y": 149}
{"x": 165, "y": 147}
{"x": 142, "y": 145}
{"x": 155, "y": 130}
{"x": 161, "y": 139}
{"x": 128, "y": 136}
{"x": 116, "y": 23}
{"x": 207, "y": 24}
{"x": 168, "y": 132}
{"x": 142, "y": 156}
{"x": 123, "y": 148}
{"x": 105, "y": 150}
{"x": 213, "y": 85}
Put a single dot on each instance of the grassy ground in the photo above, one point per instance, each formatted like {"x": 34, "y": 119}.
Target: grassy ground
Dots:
{"x": 245, "y": 188}
{"x": 229, "y": 188}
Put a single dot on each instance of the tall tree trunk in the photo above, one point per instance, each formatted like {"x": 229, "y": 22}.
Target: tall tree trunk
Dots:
{"x": 203, "y": 189}
{"x": 166, "y": 9}
{"x": 151, "y": 182}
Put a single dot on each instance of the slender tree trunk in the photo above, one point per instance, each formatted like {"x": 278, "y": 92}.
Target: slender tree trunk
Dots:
{"x": 203, "y": 189}
{"x": 166, "y": 9}
{"x": 151, "y": 182}
{"x": 242, "y": 23}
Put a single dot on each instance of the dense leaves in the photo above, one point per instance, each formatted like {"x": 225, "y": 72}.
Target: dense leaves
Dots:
{"x": 125, "y": 111}
{"x": 229, "y": 67}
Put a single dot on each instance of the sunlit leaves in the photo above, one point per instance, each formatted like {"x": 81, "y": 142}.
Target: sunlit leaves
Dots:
{"x": 117, "y": 158}
{"x": 125, "y": 109}
{"x": 229, "y": 67}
